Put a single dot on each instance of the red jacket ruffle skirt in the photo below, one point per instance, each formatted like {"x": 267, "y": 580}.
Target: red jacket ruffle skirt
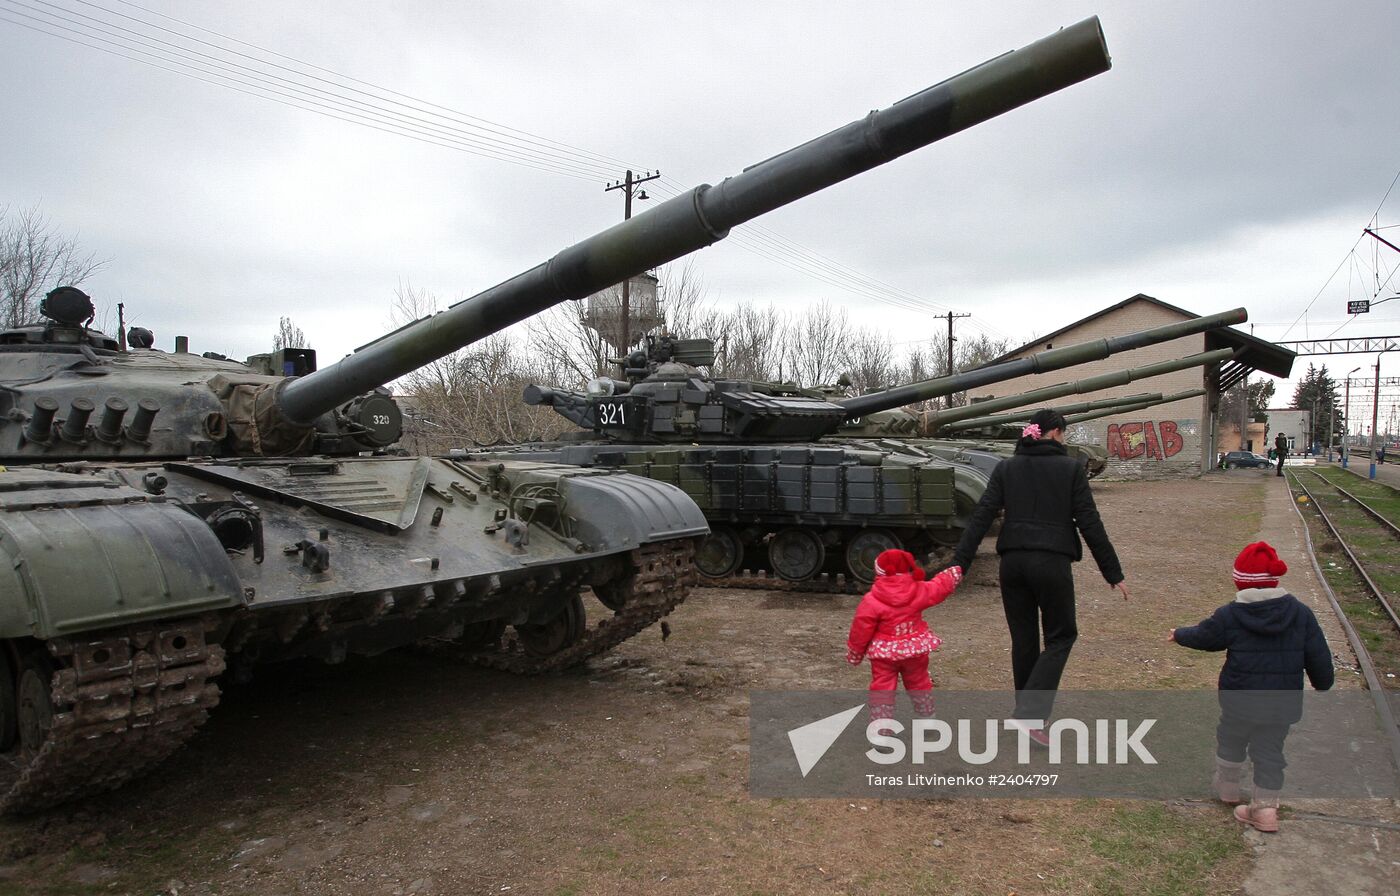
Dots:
{"x": 889, "y": 624}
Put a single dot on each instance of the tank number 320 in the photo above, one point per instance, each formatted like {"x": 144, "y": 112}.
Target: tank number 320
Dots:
{"x": 380, "y": 419}
{"x": 612, "y": 414}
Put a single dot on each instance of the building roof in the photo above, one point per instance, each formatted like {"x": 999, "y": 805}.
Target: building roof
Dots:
{"x": 1252, "y": 353}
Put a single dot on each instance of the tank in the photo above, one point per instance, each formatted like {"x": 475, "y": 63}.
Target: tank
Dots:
{"x": 773, "y": 465}
{"x": 167, "y": 515}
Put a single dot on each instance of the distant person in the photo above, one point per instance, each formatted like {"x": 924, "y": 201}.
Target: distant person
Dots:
{"x": 889, "y": 628}
{"x": 1270, "y": 639}
{"x": 1280, "y": 450}
{"x": 1380, "y": 454}
{"x": 1048, "y": 506}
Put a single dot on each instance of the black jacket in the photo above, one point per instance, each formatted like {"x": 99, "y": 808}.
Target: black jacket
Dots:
{"x": 1045, "y": 494}
{"x": 1270, "y": 644}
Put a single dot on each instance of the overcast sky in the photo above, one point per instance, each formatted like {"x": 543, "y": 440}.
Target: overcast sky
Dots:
{"x": 1231, "y": 157}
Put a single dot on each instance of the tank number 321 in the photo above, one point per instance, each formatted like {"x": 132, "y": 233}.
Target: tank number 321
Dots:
{"x": 612, "y": 414}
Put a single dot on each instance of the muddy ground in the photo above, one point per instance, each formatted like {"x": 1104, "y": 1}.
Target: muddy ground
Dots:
{"x": 411, "y": 773}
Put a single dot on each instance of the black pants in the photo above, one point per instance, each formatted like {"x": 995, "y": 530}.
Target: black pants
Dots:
{"x": 1037, "y": 589}
{"x": 1280, "y": 463}
{"x": 1263, "y": 741}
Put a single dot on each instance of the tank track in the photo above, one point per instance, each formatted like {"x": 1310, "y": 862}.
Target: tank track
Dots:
{"x": 664, "y": 575}
{"x": 762, "y": 580}
{"x": 123, "y": 701}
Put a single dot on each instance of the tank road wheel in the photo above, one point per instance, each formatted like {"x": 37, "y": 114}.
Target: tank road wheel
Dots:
{"x": 483, "y": 635}
{"x": 864, "y": 547}
{"x": 796, "y": 554}
{"x": 9, "y": 728}
{"x": 35, "y": 702}
{"x": 720, "y": 554}
{"x": 564, "y": 630}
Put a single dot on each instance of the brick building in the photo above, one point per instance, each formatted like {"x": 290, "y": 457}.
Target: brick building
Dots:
{"x": 1174, "y": 439}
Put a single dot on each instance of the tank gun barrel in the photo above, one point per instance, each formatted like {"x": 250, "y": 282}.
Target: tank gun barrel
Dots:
{"x": 1076, "y": 408}
{"x": 1136, "y": 406}
{"x": 1041, "y": 362}
{"x": 1079, "y": 387}
{"x": 705, "y": 215}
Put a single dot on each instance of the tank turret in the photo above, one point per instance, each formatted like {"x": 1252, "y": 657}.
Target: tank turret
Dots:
{"x": 667, "y": 400}
{"x": 167, "y": 515}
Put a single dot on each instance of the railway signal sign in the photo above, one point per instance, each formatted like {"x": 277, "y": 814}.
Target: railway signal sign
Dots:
{"x": 1358, "y": 306}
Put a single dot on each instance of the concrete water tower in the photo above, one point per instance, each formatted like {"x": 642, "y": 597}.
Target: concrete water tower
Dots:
{"x": 603, "y": 312}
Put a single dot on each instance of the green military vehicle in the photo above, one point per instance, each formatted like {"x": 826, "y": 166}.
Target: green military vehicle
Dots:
{"x": 776, "y": 470}
{"x": 165, "y": 515}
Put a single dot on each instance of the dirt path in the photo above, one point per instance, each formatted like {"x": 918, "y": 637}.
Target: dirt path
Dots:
{"x": 411, "y": 774}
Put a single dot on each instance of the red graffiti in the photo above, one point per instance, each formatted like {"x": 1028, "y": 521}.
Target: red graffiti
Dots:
{"x": 1129, "y": 441}
{"x": 1125, "y": 441}
{"x": 1172, "y": 441}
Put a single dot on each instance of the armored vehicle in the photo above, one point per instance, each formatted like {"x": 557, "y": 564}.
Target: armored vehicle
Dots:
{"x": 164, "y": 515}
{"x": 772, "y": 466}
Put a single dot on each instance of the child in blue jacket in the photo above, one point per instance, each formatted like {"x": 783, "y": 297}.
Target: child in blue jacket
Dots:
{"x": 1271, "y": 639}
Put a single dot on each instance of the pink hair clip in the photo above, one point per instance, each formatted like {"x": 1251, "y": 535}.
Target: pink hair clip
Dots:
{"x": 1032, "y": 431}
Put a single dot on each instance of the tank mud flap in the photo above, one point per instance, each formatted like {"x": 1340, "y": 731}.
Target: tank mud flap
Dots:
{"x": 84, "y": 566}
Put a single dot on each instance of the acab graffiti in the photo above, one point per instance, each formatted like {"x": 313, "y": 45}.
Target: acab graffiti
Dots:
{"x": 1157, "y": 441}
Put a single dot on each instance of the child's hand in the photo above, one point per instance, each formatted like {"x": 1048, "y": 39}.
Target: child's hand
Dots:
{"x": 853, "y": 658}
{"x": 1171, "y": 636}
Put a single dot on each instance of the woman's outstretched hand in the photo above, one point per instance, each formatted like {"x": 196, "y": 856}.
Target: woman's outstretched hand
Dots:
{"x": 1123, "y": 587}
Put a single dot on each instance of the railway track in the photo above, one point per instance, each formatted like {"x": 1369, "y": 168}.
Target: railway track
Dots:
{"x": 1333, "y": 495}
{"x": 1326, "y": 494}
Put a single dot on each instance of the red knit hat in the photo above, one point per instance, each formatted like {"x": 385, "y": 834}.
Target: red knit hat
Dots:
{"x": 1258, "y": 566}
{"x": 894, "y": 562}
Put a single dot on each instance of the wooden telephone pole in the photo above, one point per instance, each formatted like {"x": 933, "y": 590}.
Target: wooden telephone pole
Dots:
{"x": 628, "y": 186}
{"x": 951, "y": 316}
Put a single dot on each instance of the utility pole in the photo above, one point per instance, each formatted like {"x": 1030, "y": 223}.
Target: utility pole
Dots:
{"x": 951, "y": 316}
{"x": 1245, "y": 416}
{"x": 1375, "y": 413}
{"x": 1346, "y": 420}
{"x": 628, "y": 186}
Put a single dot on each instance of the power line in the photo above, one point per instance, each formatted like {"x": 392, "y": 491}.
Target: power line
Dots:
{"x": 1374, "y": 218}
{"x": 396, "y": 113}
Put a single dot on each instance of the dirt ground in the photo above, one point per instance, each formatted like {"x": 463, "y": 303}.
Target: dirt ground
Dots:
{"x": 411, "y": 773}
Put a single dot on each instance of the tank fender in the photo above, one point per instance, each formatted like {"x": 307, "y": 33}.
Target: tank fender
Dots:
{"x": 75, "y": 566}
{"x": 608, "y": 511}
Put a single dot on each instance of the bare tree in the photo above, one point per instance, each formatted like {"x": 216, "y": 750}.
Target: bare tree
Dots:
{"x": 932, "y": 361}
{"x": 749, "y": 343}
{"x": 571, "y": 350}
{"x": 474, "y": 395}
{"x": 34, "y": 259}
{"x": 289, "y": 335}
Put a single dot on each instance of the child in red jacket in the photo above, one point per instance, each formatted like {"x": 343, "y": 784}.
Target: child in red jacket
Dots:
{"x": 890, "y": 629}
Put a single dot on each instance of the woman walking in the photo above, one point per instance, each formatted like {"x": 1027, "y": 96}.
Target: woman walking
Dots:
{"x": 1047, "y": 503}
